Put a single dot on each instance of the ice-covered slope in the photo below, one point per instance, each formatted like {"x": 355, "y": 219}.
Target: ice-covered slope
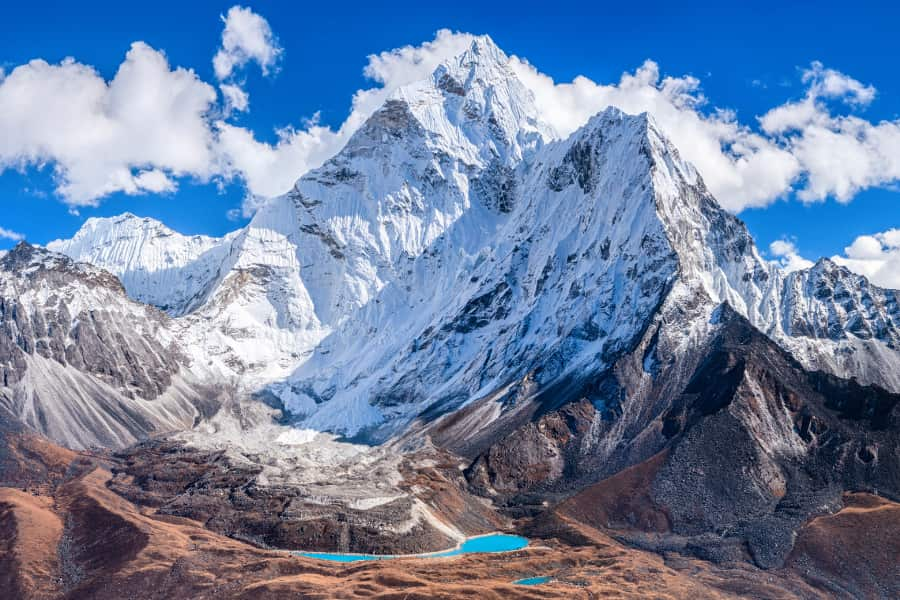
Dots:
{"x": 837, "y": 321}
{"x": 453, "y": 251}
{"x": 156, "y": 265}
{"x": 608, "y": 230}
{"x": 418, "y": 165}
{"x": 260, "y": 299}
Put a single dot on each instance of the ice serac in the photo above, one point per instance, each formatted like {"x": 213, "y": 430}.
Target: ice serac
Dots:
{"x": 83, "y": 364}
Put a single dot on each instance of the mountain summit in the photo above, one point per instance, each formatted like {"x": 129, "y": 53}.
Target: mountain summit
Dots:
{"x": 455, "y": 250}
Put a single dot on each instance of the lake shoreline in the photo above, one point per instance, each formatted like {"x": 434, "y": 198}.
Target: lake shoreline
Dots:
{"x": 457, "y": 550}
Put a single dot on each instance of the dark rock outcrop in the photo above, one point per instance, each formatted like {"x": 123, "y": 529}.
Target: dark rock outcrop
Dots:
{"x": 751, "y": 448}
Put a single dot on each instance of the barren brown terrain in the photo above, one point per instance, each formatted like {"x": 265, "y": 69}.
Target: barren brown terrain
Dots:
{"x": 68, "y": 535}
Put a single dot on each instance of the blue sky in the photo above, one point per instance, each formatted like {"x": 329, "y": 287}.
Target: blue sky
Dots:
{"x": 747, "y": 59}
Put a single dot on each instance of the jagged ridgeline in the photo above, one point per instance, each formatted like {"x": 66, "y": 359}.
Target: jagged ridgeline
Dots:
{"x": 456, "y": 249}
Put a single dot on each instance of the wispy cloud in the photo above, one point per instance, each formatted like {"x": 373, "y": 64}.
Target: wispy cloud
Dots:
{"x": 9, "y": 234}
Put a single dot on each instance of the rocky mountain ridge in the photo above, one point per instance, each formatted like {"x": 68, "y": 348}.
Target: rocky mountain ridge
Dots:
{"x": 557, "y": 252}
{"x": 552, "y": 258}
{"x": 84, "y": 364}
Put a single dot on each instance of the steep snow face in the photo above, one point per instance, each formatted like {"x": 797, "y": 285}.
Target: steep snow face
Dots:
{"x": 79, "y": 361}
{"x": 437, "y": 151}
{"x": 155, "y": 264}
{"x": 239, "y": 317}
{"x": 568, "y": 280}
{"x": 259, "y": 300}
{"x": 452, "y": 249}
{"x": 607, "y": 231}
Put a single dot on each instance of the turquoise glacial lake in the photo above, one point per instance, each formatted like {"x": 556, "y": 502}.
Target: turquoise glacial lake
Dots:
{"x": 532, "y": 581}
{"x": 496, "y": 542}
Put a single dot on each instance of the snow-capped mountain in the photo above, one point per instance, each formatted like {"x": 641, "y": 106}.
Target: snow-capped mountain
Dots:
{"x": 263, "y": 297}
{"x": 156, "y": 265}
{"x": 606, "y": 230}
{"x": 460, "y": 323}
{"x": 455, "y": 249}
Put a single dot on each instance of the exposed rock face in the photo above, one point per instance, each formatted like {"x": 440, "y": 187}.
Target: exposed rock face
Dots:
{"x": 749, "y": 449}
{"x": 80, "y": 362}
{"x": 96, "y": 339}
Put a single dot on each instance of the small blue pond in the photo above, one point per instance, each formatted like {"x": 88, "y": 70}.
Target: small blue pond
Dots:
{"x": 497, "y": 542}
{"x": 532, "y": 581}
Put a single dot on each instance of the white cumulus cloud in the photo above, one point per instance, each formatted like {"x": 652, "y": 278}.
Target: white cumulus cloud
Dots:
{"x": 271, "y": 169}
{"x": 236, "y": 98}
{"x": 131, "y": 134}
{"x": 876, "y": 256}
{"x": 787, "y": 256}
{"x": 151, "y": 124}
{"x": 246, "y": 37}
{"x": 9, "y": 234}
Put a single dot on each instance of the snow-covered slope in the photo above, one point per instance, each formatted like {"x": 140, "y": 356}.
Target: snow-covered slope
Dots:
{"x": 608, "y": 229}
{"x": 837, "y": 321}
{"x": 454, "y": 250}
{"x": 420, "y": 163}
{"x": 259, "y": 300}
{"x": 156, "y": 265}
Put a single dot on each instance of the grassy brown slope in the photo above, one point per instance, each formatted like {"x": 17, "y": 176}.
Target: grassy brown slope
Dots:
{"x": 855, "y": 551}
{"x": 71, "y": 536}
{"x": 29, "y": 534}
{"x": 621, "y": 501}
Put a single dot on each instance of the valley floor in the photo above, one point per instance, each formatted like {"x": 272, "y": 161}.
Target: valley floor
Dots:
{"x": 65, "y": 534}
